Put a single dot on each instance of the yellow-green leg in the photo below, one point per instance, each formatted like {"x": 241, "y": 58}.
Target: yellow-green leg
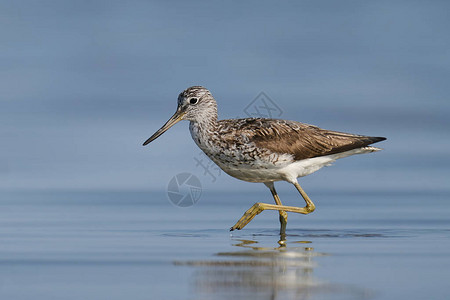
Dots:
{"x": 283, "y": 214}
{"x": 257, "y": 208}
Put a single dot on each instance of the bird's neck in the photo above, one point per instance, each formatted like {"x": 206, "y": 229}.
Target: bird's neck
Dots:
{"x": 204, "y": 131}
{"x": 207, "y": 119}
{"x": 206, "y": 124}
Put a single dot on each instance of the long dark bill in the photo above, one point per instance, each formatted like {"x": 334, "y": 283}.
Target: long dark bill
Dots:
{"x": 177, "y": 116}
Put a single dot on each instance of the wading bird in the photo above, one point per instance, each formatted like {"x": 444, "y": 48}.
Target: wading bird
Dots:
{"x": 263, "y": 150}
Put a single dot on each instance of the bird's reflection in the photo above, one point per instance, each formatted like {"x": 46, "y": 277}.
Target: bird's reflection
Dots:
{"x": 256, "y": 271}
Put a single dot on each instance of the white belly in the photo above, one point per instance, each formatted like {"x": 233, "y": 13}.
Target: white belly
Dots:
{"x": 290, "y": 171}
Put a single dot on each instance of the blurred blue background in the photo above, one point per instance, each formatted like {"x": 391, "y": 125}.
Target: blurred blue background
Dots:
{"x": 83, "y": 206}
{"x": 84, "y": 83}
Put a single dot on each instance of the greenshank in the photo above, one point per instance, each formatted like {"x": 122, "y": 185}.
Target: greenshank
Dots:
{"x": 263, "y": 150}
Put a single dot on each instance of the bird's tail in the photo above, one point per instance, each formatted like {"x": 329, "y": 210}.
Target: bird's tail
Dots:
{"x": 369, "y": 149}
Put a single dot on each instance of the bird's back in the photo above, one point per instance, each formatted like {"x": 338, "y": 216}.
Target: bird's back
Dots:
{"x": 300, "y": 140}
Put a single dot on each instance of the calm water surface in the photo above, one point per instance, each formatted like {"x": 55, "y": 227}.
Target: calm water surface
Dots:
{"x": 84, "y": 83}
{"x": 135, "y": 245}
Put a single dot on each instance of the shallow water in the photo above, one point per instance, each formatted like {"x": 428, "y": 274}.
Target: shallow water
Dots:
{"x": 84, "y": 83}
{"x": 136, "y": 245}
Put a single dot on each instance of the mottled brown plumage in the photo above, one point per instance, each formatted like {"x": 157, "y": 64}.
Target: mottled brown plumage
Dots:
{"x": 263, "y": 150}
{"x": 289, "y": 137}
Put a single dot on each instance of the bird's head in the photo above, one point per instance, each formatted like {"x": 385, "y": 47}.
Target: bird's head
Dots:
{"x": 195, "y": 104}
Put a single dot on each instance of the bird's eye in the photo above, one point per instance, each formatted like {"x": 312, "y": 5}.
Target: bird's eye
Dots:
{"x": 193, "y": 101}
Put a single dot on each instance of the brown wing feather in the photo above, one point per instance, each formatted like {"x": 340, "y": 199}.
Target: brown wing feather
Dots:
{"x": 301, "y": 140}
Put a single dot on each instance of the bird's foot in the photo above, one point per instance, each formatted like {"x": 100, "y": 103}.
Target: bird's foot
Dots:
{"x": 283, "y": 222}
{"x": 256, "y": 209}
